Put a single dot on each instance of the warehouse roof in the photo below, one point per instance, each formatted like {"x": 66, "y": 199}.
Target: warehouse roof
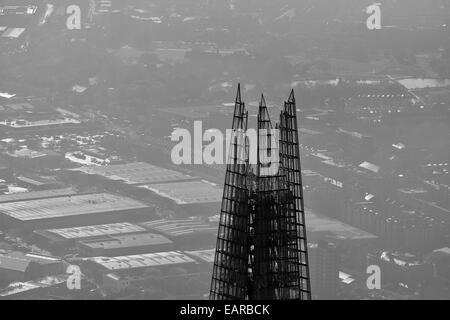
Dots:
{"x": 38, "y": 258}
{"x": 177, "y": 228}
{"x": 203, "y": 255}
{"x": 21, "y": 287}
{"x": 443, "y": 250}
{"x": 188, "y": 192}
{"x": 135, "y": 173}
{"x": 68, "y": 206}
{"x": 36, "y": 195}
{"x": 142, "y": 260}
{"x": 334, "y": 228}
{"x": 13, "y": 32}
{"x": 91, "y": 231}
{"x": 27, "y": 153}
{"x": 17, "y": 288}
{"x": 36, "y": 180}
{"x": 370, "y": 166}
{"x": 41, "y": 259}
{"x": 126, "y": 241}
{"x": 14, "y": 263}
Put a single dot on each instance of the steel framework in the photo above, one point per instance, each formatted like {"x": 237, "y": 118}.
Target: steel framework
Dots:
{"x": 261, "y": 251}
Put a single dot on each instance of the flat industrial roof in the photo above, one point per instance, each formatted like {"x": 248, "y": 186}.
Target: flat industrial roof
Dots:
{"x": 41, "y": 259}
{"x": 443, "y": 250}
{"x": 177, "y": 228}
{"x": 36, "y": 180}
{"x": 370, "y": 166}
{"x": 36, "y": 195}
{"x": 13, "y": 32}
{"x": 20, "y": 287}
{"x": 17, "y": 123}
{"x": 93, "y": 231}
{"x": 188, "y": 192}
{"x": 136, "y": 173}
{"x": 14, "y": 263}
{"x": 320, "y": 224}
{"x": 18, "y": 261}
{"x": 142, "y": 260}
{"x": 17, "y": 288}
{"x": 68, "y": 206}
{"x": 19, "y": 106}
{"x": 127, "y": 241}
{"x": 27, "y": 153}
{"x": 204, "y": 255}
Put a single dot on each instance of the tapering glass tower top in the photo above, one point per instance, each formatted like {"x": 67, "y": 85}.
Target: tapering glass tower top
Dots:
{"x": 261, "y": 251}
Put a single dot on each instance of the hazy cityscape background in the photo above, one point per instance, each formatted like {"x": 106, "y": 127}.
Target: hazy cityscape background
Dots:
{"x": 87, "y": 184}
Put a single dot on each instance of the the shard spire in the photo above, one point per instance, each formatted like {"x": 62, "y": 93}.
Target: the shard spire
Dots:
{"x": 261, "y": 251}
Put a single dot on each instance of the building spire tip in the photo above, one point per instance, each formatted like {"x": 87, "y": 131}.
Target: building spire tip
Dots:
{"x": 263, "y": 100}
{"x": 238, "y": 95}
{"x": 292, "y": 96}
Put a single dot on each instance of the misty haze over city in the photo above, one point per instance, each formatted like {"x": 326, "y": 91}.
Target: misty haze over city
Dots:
{"x": 115, "y": 124}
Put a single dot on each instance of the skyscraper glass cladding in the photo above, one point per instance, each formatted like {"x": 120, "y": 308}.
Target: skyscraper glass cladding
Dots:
{"x": 261, "y": 251}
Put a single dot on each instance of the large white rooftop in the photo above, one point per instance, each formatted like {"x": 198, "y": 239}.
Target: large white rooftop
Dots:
{"x": 68, "y": 206}
{"x": 188, "y": 192}
{"x": 136, "y": 173}
{"x": 142, "y": 260}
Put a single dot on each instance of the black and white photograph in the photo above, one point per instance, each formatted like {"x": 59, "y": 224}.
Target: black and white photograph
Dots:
{"x": 243, "y": 151}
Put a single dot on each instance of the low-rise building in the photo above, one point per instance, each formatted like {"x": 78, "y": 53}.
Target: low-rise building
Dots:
{"x": 69, "y": 211}
{"x": 17, "y": 266}
{"x": 125, "y": 244}
{"x": 187, "y": 234}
